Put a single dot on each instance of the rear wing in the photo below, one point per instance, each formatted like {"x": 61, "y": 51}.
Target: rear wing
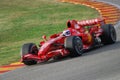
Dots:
{"x": 100, "y": 21}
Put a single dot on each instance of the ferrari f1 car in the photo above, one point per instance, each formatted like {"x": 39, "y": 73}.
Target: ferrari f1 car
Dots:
{"x": 73, "y": 41}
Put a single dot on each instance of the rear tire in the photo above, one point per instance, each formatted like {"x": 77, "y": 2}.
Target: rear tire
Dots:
{"x": 74, "y": 45}
{"x": 109, "y": 34}
{"x": 29, "y": 48}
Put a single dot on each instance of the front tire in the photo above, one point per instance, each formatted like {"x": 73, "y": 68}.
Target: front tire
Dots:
{"x": 74, "y": 45}
{"x": 29, "y": 48}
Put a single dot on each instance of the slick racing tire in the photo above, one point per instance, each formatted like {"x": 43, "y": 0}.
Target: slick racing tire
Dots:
{"x": 29, "y": 48}
{"x": 109, "y": 34}
{"x": 74, "y": 45}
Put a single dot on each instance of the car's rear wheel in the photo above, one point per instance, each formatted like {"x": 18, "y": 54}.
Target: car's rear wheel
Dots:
{"x": 29, "y": 48}
{"x": 74, "y": 45}
{"x": 109, "y": 34}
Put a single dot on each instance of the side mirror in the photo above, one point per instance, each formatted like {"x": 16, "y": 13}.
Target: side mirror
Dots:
{"x": 44, "y": 37}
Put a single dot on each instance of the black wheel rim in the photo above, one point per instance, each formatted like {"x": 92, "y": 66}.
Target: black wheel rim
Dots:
{"x": 113, "y": 34}
{"x": 34, "y": 50}
{"x": 78, "y": 45}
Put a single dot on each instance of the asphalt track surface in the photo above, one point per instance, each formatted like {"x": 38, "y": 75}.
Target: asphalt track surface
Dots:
{"x": 99, "y": 64}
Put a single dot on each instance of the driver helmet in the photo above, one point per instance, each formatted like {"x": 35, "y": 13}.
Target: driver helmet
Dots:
{"x": 66, "y": 33}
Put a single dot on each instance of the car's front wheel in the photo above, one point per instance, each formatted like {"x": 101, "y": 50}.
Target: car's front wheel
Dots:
{"x": 29, "y": 48}
{"x": 74, "y": 45}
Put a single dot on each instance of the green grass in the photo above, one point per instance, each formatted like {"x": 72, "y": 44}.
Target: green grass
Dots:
{"x": 23, "y": 21}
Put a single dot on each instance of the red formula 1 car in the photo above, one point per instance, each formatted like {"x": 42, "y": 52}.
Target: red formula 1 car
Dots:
{"x": 78, "y": 37}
